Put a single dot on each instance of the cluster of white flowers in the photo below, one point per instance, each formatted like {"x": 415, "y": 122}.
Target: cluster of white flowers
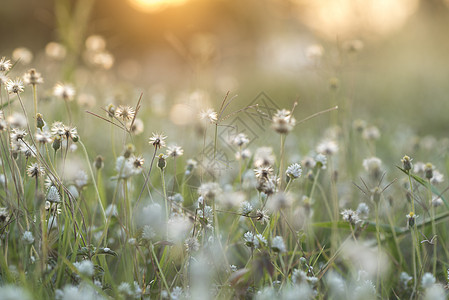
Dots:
{"x": 254, "y": 241}
{"x": 127, "y": 167}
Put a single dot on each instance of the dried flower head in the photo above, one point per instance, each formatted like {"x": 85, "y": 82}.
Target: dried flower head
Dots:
{"x": 262, "y": 216}
{"x": 283, "y": 121}
{"x": 262, "y": 173}
{"x": 17, "y": 134}
{"x": 268, "y": 186}
{"x": 157, "y": 140}
{"x": 14, "y": 86}
{"x": 35, "y": 170}
{"x": 5, "y": 64}
{"x": 32, "y": 77}
{"x": 64, "y": 90}
{"x": 125, "y": 112}
{"x": 137, "y": 161}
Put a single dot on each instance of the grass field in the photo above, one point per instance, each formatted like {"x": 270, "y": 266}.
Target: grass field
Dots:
{"x": 214, "y": 186}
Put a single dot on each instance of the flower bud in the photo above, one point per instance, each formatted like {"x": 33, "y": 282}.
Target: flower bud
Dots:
{"x": 161, "y": 163}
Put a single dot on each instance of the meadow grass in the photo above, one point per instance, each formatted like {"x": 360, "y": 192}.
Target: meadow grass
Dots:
{"x": 112, "y": 201}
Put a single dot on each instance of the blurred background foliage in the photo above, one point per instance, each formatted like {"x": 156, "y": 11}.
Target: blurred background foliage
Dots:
{"x": 250, "y": 46}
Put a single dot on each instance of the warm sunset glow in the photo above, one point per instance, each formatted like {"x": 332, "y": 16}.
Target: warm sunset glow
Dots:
{"x": 155, "y": 5}
{"x": 349, "y": 18}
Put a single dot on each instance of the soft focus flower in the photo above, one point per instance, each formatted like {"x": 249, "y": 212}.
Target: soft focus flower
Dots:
{"x": 371, "y": 133}
{"x": 328, "y": 147}
{"x": 23, "y": 55}
{"x": 5, "y": 64}
{"x": 65, "y": 91}
{"x": 240, "y": 140}
{"x": 32, "y": 77}
{"x": 350, "y": 216}
{"x": 174, "y": 151}
{"x": 278, "y": 245}
{"x": 53, "y": 195}
{"x": 283, "y": 122}
{"x": 27, "y": 237}
{"x": 264, "y": 157}
{"x": 209, "y": 114}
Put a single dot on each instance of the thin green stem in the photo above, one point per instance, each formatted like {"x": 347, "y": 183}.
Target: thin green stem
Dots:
{"x": 93, "y": 179}
{"x": 281, "y": 163}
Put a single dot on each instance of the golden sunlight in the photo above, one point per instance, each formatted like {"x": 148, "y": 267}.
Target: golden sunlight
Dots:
{"x": 356, "y": 18}
{"x": 155, "y": 5}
